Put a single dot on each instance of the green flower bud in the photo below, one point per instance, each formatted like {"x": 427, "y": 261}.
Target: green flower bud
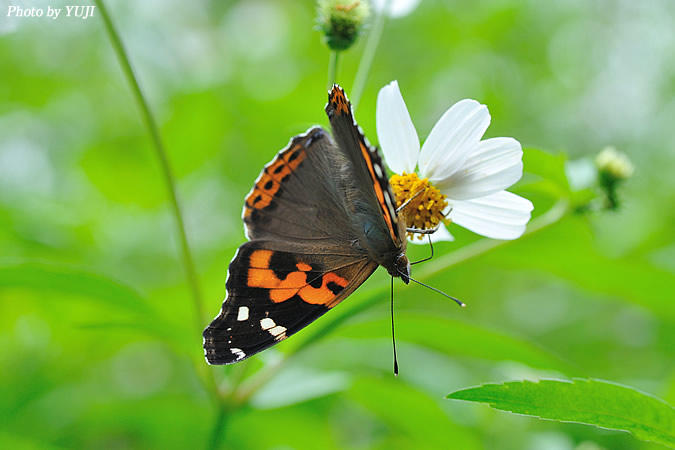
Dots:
{"x": 613, "y": 168}
{"x": 341, "y": 21}
{"x": 614, "y": 164}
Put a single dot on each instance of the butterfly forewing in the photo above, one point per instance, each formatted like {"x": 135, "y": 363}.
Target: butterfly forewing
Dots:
{"x": 374, "y": 204}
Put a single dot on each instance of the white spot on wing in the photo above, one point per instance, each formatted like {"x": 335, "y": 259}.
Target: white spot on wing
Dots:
{"x": 239, "y": 353}
{"x": 378, "y": 170}
{"x": 243, "y": 313}
{"x": 267, "y": 323}
{"x": 276, "y": 331}
{"x": 387, "y": 197}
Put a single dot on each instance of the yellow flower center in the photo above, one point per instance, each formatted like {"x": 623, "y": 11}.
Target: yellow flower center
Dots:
{"x": 425, "y": 210}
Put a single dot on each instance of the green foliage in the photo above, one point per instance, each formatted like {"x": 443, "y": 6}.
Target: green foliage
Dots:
{"x": 450, "y": 337}
{"x": 591, "y": 402}
{"x": 98, "y": 343}
{"x": 53, "y": 279}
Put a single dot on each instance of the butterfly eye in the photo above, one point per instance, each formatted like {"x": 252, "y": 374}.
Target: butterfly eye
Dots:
{"x": 403, "y": 267}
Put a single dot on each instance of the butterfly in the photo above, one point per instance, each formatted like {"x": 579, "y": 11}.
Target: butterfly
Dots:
{"x": 319, "y": 220}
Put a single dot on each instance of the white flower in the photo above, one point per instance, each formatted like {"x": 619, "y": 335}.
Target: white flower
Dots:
{"x": 395, "y": 8}
{"x": 471, "y": 173}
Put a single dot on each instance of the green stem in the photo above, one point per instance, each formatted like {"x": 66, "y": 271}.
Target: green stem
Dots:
{"x": 550, "y": 217}
{"x": 149, "y": 120}
{"x": 219, "y": 426}
{"x": 368, "y": 56}
{"x": 333, "y": 62}
{"x": 169, "y": 181}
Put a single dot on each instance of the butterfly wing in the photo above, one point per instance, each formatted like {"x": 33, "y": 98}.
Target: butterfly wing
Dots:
{"x": 300, "y": 261}
{"x": 272, "y": 293}
{"x": 370, "y": 199}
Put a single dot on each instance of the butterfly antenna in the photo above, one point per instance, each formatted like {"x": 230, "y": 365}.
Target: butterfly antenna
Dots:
{"x": 393, "y": 339}
{"x": 460, "y": 303}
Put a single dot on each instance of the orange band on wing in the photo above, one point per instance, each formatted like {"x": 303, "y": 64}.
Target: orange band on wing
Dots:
{"x": 323, "y": 294}
{"x": 267, "y": 186}
{"x": 260, "y": 259}
{"x": 378, "y": 191}
{"x": 340, "y": 102}
{"x": 261, "y": 276}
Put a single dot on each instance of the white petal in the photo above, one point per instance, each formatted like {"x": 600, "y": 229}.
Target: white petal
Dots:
{"x": 452, "y": 139}
{"x": 397, "y": 8}
{"x": 499, "y": 216}
{"x": 395, "y": 130}
{"x": 494, "y": 165}
{"x": 442, "y": 234}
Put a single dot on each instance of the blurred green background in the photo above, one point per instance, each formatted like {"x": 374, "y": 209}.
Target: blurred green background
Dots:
{"x": 98, "y": 344}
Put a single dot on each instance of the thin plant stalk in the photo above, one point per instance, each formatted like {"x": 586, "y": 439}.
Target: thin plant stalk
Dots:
{"x": 333, "y": 63}
{"x": 160, "y": 152}
{"x": 368, "y": 56}
{"x": 219, "y": 427}
{"x": 150, "y": 123}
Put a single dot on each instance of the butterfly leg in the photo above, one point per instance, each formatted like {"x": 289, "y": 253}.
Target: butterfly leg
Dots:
{"x": 423, "y": 231}
{"x": 430, "y": 256}
{"x": 407, "y": 202}
{"x": 427, "y": 230}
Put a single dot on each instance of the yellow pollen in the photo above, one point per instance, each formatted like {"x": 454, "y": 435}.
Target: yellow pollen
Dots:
{"x": 426, "y": 210}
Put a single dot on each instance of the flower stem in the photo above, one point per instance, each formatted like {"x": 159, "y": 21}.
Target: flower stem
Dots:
{"x": 550, "y": 217}
{"x": 368, "y": 56}
{"x": 333, "y": 62}
{"x": 169, "y": 181}
{"x": 219, "y": 426}
{"x": 208, "y": 375}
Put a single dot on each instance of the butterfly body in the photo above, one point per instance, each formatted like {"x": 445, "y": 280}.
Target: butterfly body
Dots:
{"x": 320, "y": 219}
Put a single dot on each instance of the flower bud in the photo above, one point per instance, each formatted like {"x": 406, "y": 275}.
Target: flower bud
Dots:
{"x": 613, "y": 168}
{"x": 341, "y": 21}
{"x": 614, "y": 164}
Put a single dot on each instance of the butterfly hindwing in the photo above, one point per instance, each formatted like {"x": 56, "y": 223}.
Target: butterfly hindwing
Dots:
{"x": 273, "y": 293}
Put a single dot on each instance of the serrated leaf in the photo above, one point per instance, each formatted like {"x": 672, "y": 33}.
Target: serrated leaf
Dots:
{"x": 587, "y": 401}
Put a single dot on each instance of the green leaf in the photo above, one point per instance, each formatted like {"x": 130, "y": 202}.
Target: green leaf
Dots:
{"x": 424, "y": 424}
{"x": 591, "y": 402}
{"x": 174, "y": 334}
{"x": 66, "y": 280}
{"x": 568, "y": 250}
{"x": 451, "y": 337}
{"x": 551, "y": 168}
